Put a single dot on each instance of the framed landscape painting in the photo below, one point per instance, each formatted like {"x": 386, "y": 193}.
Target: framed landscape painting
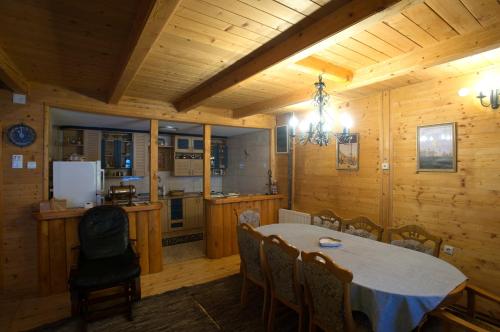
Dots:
{"x": 436, "y": 148}
{"x": 348, "y": 154}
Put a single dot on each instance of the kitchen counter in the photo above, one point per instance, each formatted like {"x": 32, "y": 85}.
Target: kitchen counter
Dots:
{"x": 185, "y": 195}
{"x": 58, "y": 235}
{"x": 221, "y": 219}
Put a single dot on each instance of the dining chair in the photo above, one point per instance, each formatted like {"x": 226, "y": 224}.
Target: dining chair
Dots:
{"x": 249, "y": 243}
{"x": 249, "y": 216}
{"x": 327, "y": 293}
{"x": 454, "y": 314}
{"x": 415, "y": 237}
{"x": 326, "y": 218}
{"x": 281, "y": 267}
{"x": 363, "y": 227}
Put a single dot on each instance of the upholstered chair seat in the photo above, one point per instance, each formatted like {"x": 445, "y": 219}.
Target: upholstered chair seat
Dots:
{"x": 248, "y": 216}
{"x": 360, "y": 232}
{"x": 413, "y": 245}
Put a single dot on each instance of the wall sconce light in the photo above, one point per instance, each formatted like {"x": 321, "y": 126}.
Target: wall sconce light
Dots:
{"x": 494, "y": 99}
{"x": 489, "y": 87}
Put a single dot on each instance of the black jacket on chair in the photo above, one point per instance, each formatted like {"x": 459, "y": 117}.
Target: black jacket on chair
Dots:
{"x": 106, "y": 256}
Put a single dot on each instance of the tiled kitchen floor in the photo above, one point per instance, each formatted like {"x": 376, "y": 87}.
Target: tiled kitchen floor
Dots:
{"x": 183, "y": 252}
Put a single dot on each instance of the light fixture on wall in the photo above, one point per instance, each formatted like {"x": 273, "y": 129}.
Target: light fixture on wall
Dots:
{"x": 489, "y": 86}
{"x": 317, "y": 127}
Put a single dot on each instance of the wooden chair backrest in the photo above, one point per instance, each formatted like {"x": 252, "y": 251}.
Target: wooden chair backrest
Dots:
{"x": 274, "y": 244}
{"x": 365, "y": 224}
{"x": 250, "y": 252}
{"x": 417, "y": 233}
{"x": 241, "y": 211}
{"x": 327, "y": 216}
{"x": 324, "y": 264}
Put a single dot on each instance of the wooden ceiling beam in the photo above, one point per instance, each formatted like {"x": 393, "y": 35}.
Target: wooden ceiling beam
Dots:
{"x": 335, "y": 18}
{"x": 437, "y": 54}
{"x": 152, "y": 17}
{"x": 11, "y": 76}
{"x": 333, "y": 72}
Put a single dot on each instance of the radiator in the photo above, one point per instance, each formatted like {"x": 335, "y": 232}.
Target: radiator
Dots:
{"x": 293, "y": 217}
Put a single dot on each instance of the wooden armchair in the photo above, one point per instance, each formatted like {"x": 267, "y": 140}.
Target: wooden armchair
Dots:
{"x": 467, "y": 317}
{"x": 326, "y": 218}
{"x": 363, "y": 227}
{"x": 249, "y": 243}
{"x": 280, "y": 262}
{"x": 249, "y": 216}
{"x": 328, "y": 293}
{"x": 415, "y": 237}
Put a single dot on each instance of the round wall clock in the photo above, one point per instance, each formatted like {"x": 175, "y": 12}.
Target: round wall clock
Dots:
{"x": 21, "y": 135}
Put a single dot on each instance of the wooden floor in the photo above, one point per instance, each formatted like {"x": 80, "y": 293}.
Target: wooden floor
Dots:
{"x": 24, "y": 314}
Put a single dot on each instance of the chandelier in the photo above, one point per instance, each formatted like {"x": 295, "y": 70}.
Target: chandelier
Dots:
{"x": 317, "y": 127}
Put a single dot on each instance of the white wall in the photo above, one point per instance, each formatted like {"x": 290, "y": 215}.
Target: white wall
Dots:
{"x": 248, "y": 164}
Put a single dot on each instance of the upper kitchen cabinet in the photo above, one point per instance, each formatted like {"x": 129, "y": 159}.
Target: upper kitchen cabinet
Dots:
{"x": 141, "y": 154}
{"x": 92, "y": 145}
{"x": 188, "y": 144}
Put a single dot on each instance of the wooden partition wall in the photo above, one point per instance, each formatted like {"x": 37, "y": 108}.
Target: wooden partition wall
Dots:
{"x": 58, "y": 239}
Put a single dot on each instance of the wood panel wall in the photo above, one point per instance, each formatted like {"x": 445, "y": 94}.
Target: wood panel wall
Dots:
{"x": 21, "y": 188}
{"x": 461, "y": 207}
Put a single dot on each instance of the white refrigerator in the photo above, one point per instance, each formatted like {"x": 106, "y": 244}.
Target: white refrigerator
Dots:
{"x": 78, "y": 182}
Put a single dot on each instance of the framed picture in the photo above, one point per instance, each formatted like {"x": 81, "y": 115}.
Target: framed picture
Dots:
{"x": 436, "y": 148}
{"x": 282, "y": 139}
{"x": 348, "y": 154}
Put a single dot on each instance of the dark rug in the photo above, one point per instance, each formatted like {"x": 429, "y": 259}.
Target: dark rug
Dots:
{"x": 213, "y": 306}
{"x": 171, "y": 241}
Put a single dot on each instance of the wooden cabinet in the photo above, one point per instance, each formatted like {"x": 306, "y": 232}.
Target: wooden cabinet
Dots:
{"x": 141, "y": 154}
{"x": 183, "y": 217}
{"x": 188, "y": 167}
{"x": 92, "y": 145}
{"x": 188, "y": 144}
{"x": 165, "y": 159}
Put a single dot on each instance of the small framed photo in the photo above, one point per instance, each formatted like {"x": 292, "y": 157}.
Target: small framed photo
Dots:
{"x": 436, "y": 148}
{"x": 348, "y": 154}
{"x": 282, "y": 139}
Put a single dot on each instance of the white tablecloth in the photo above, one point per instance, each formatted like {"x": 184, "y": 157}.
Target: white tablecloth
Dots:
{"x": 394, "y": 286}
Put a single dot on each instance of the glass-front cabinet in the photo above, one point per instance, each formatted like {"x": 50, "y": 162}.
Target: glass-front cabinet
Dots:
{"x": 117, "y": 153}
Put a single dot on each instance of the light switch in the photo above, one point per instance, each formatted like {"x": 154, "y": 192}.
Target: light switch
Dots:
{"x": 31, "y": 165}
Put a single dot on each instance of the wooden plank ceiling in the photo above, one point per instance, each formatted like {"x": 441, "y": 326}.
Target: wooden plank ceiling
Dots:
{"x": 80, "y": 50}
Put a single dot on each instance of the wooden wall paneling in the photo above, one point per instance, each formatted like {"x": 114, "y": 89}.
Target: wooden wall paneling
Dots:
{"x": 1, "y": 208}
{"x": 154, "y": 240}
{"x": 228, "y": 233}
{"x": 132, "y": 226}
{"x": 46, "y": 155}
{"x": 72, "y": 241}
{"x": 142, "y": 240}
{"x": 57, "y": 253}
{"x": 215, "y": 249}
{"x": 207, "y": 152}
{"x": 153, "y": 161}
{"x": 43, "y": 258}
{"x": 385, "y": 204}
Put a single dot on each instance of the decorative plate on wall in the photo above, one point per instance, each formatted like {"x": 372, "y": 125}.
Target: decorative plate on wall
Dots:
{"x": 21, "y": 135}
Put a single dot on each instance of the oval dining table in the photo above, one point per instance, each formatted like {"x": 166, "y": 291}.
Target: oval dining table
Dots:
{"x": 394, "y": 286}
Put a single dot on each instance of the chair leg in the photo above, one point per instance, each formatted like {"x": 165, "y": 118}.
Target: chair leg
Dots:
{"x": 265, "y": 305}
{"x": 272, "y": 313}
{"x": 244, "y": 291}
{"x": 136, "y": 289}
{"x": 301, "y": 321}
{"x": 75, "y": 303}
{"x": 129, "y": 293}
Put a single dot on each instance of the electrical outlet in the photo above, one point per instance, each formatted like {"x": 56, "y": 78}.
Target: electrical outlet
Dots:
{"x": 447, "y": 249}
{"x": 385, "y": 165}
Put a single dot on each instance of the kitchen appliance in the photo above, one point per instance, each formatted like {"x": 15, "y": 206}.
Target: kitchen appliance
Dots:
{"x": 122, "y": 194}
{"x": 78, "y": 182}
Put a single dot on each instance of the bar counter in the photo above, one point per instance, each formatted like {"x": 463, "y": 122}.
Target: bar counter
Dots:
{"x": 58, "y": 234}
{"x": 221, "y": 220}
